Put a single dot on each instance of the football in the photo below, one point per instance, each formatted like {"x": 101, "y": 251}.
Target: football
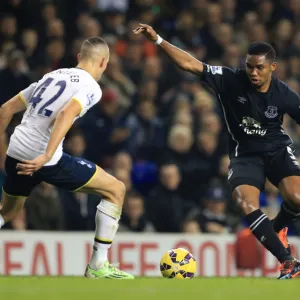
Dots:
{"x": 178, "y": 263}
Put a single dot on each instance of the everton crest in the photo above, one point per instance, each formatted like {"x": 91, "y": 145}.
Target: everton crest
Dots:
{"x": 271, "y": 112}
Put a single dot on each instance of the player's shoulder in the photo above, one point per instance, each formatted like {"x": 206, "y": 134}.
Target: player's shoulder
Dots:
{"x": 283, "y": 88}
{"x": 215, "y": 70}
{"x": 225, "y": 70}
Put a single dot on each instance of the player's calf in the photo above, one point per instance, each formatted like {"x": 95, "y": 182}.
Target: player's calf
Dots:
{"x": 10, "y": 207}
{"x": 259, "y": 223}
{"x": 290, "y": 208}
{"x": 117, "y": 193}
{"x": 106, "y": 186}
{"x": 112, "y": 192}
{"x": 289, "y": 187}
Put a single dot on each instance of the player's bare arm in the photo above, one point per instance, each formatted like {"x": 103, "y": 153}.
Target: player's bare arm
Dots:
{"x": 8, "y": 109}
{"x": 183, "y": 59}
{"x": 62, "y": 124}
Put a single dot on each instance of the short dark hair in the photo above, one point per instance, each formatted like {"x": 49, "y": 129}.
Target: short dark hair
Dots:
{"x": 262, "y": 48}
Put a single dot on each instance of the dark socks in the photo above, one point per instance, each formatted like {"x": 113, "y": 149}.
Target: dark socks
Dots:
{"x": 285, "y": 216}
{"x": 262, "y": 228}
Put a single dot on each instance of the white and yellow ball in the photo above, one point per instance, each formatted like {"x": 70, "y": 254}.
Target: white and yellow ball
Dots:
{"x": 178, "y": 263}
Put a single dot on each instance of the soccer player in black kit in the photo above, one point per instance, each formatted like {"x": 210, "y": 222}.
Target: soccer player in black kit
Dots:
{"x": 253, "y": 103}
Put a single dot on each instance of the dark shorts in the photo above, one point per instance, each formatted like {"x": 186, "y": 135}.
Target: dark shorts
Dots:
{"x": 71, "y": 173}
{"x": 253, "y": 170}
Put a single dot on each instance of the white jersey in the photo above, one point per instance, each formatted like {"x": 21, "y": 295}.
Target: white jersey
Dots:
{"x": 44, "y": 99}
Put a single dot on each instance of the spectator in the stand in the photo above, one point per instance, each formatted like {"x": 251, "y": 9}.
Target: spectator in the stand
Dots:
{"x": 147, "y": 90}
{"x": 79, "y": 210}
{"x": 122, "y": 160}
{"x": 232, "y": 56}
{"x": 266, "y": 9}
{"x": 49, "y": 12}
{"x": 133, "y": 61}
{"x": 55, "y": 29}
{"x": 204, "y": 103}
{"x": 147, "y": 48}
{"x": 116, "y": 79}
{"x": 185, "y": 35}
{"x": 14, "y": 77}
{"x": 55, "y": 53}
{"x": 30, "y": 46}
{"x": 204, "y": 164}
{"x": 183, "y": 118}
{"x": 103, "y": 130}
{"x": 191, "y": 226}
{"x": 270, "y": 200}
{"x": 212, "y": 218}
{"x": 179, "y": 144}
{"x": 91, "y": 27}
{"x": 294, "y": 7}
{"x": 108, "y": 5}
{"x": 189, "y": 87}
{"x": 43, "y": 208}
{"x": 114, "y": 23}
{"x": 281, "y": 71}
{"x": 147, "y": 132}
{"x": 223, "y": 34}
{"x": 166, "y": 206}
{"x": 294, "y": 48}
{"x": 134, "y": 217}
{"x": 75, "y": 143}
{"x": 283, "y": 36}
{"x": 8, "y": 29}
{"x": 124, "y": 176}
{"x": 294, "y": 84}
{"x": 152, "y": 68}
{"x": 71, "y": 56}
{"x": 294, "y": 66}
{"x": 228, "y": 8}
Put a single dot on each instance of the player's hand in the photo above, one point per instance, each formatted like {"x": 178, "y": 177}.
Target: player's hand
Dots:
{"x": 28, "y": 167}
{"x": 214, "y": 227}
{"x": 119, "y": 135}
{"x": 147, "y": 31}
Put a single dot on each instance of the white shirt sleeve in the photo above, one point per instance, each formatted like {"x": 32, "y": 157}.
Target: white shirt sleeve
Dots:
{"x": 26, "y": 94}
{"x": 87, "y": 98}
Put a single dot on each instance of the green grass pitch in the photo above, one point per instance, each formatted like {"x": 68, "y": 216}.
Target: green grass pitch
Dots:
{"x": 57, "y": 288}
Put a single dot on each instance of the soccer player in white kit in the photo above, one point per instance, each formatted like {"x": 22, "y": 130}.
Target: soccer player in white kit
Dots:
{"x": 35, "y": 151}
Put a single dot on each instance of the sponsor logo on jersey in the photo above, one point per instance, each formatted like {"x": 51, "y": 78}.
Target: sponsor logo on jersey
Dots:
{"x": 90, "y": 97}
{"x": 271, "y": 112}
{"x": 252, "y": 127}
{"x": 215, "y": 70}
{"x": 241, "y": 99}
{"x": 84, "y": 163}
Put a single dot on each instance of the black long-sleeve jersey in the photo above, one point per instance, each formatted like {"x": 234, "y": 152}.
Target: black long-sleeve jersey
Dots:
{"x": 253, "y": 119}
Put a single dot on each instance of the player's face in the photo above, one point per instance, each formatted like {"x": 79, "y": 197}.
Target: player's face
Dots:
{"x": 259, "y": 69}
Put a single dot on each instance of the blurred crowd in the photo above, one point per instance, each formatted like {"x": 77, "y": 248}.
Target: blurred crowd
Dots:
{"x": 157, "y": 129}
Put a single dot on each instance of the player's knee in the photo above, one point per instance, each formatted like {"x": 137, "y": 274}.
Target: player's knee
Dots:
{"x": 293, "y": 197}
{"x": 121, "y": 191}
{"x": 9, "y": 212}
{"x": 118, "y": 192}
{"x": 245, "y": 205}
